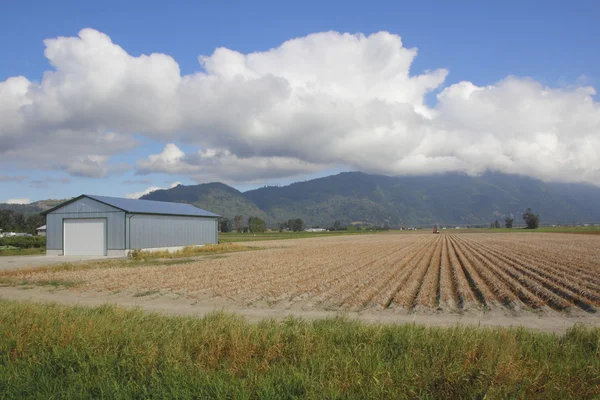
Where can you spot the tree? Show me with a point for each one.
(256, 225)
(11, 220)
(239, 223)
(226, 225)
(7, 220)
(496, 224)
(33, 222)
(531, 220)
(295, 225)
(508, 222)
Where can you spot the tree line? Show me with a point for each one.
(532, 221)
(256, 225)
(14, 221)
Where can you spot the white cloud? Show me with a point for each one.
(213, 165)
(18, 201)
(137, 195)
(313, 102)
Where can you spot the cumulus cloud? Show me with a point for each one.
(204, 165)
(326, 99)
(137, 195)
(18, 201)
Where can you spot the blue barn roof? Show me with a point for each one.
(136, 206)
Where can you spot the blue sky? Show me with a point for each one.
(550, 43)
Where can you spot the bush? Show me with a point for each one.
(24, 242)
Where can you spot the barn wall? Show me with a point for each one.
(86, 208)
(151, 231)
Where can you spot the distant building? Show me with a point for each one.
(41, 231)
(315, 230)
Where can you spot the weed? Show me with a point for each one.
(52, 351)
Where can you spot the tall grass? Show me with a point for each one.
(191, 251)
(51, 351)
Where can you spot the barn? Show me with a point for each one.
(109, 226)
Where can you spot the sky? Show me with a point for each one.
(119, 98)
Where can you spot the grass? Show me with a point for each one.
(232, 237)
(52, 351)
(16, 251)
(191, 251)
(560, 229)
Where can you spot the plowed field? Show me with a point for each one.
(407, 272)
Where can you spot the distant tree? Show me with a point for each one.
(256, 225)
(33, 222)
(226, 225)
(337, 225)
(238, 221)
(7, 220)
(496, 224)
(295, 225)
(14, 221)
(508, 222)
(532, 221)
(492, 225)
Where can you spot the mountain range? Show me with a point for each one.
(359, 198)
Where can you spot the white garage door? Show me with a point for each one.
(85, 237)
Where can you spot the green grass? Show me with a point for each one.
(233, 237)
(51, 351)
(560, 229)
(571, 229)
(16, 251)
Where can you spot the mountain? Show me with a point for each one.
(355, 197)
(215, 197)
(31, 208)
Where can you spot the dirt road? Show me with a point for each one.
(177, 305)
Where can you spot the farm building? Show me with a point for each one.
(110, 226)
(41, 231)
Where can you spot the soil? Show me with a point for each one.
(173, 304)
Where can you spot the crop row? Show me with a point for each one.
(411, 272)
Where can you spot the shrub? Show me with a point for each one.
(24, 242)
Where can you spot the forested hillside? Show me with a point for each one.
(359, 198)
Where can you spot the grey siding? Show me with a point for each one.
(86, 208)
(151, 231)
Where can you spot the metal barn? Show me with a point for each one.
(111, 226)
